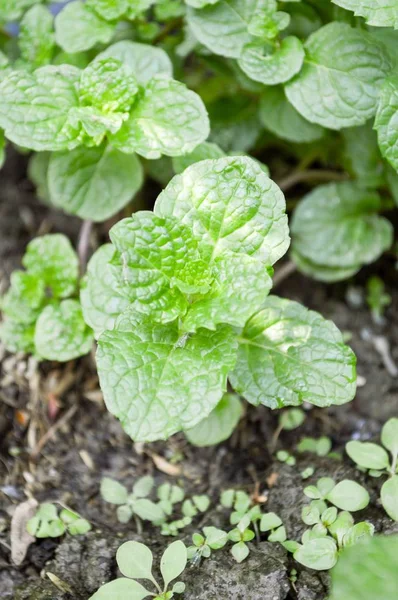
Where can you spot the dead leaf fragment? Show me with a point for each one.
(163, 465)
(20, 538)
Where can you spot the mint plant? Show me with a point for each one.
(41, 310)
(188, 284)
(48, 523)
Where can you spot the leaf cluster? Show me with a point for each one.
(48, 523)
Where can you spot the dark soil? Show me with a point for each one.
(90, 444)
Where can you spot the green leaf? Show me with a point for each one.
(320, 272)
(204, 151)
(113, 492)
(36, 38)
(240, 551)
(215, 538)
(143, 486)
(135, 560)
(110, 10)
(103, 295)
(381, 13)
(93, 183)
(186, 379)
(389, 497)
(24, 298)
(319, 554)
(219, 425)
(292, 418)
(336, 226)
(367, 455)
(386, 122)
(389, 435)
(305, 360)
(358, 533)
(79, 527)
(272, 64)
(339, 83)
(362, 156)
(106, 84)
(270, 521)
(160, 261)
(16, 336)
(61, 333)
(11, 10)
(167, 119)
(341, 526)
(52, 259)
(79, 28)
(348, 495)
(124, 513)
(200, 3)
(49, 93)
(368, 571)
(37, 171)
(278, 535)
(241, 284)
(173, 562)
(310, 514)
(140, 60)
(145, 509)
(120, 589)
(224, 199)
(281, 118)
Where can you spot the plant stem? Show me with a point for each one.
(309, 176)
(83, 244)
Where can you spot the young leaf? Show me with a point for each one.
(348, 495)
(120, 589)
(141, 60)
(380, 13)
(240, 551)
(204, 151)
(143, 486)
(79, 28)
(61, 333)
(186, 380)
(135, 560)
(113, 492)
(145, 509)
(36, 39)
(167, 119)
(389, 435)
(215, 538)
(271, 64)
(270, 521)
(292, 418)
(107, 85)
(220, 423)
(222, 200)
(358, 533)
(93, 183)
(339, 83)
(24, 298)
(306, 360)
(389, 497)
(367, 455)
(362, 156)
(341, 526)
(282, 119)
(173, 562)
(385, 123)
(17, 337)
(319, 554)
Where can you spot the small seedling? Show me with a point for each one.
(168, 496)
(375, 459)
(192, 507)
(270, 522)
(377, 298)
(307, 472)
(285, 457)
(135, 503)
(346, 495)
(173, 527)
(47, 523)
(289, 419)
(135, 562)
(213, 539)
(320, 446)
(240, 535)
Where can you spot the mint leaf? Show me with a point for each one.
(177, 381)
(11, 10)
(322, 272)
(79, 28)
(271, 63)
(61, 333)
(140, 60)
(381, 13)
(36, 38)
(167, 119)
(106, 85)
(220, 423)
(204, 151)
(24, 298)
(17, 336)
(241, 284)
(362, 156)
(93, 183)
(52, 258)
(386, 121)
(37, 171)
(49, 93)
(230, 205)
(281, 118)
(337, 226)
(201, 3)
(303, 361)
(223, 27)
(109, 10)
(339, 83)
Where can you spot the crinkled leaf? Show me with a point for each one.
(348, 495)
(93, 183)
(34, 108)
(61, 333)
(288, 355)
(120, 589)
(319, 554)
(281, 118)
(106, 84)
(113, 492)
(320, 272)
(200, 3)
(386, 121)
(24, 298)
(52, 258)
(367, 571)
(103, 296)
(36, 38)
(339, 83)
(173, 562)
(167, 119)
(231, 205)
(109, 10)
(362, 155)
(158, 383)
(241, 284)
(367, 455)
(17, 336)
(79, 28)
(204, 151)
(381, 13)
(389, 435)
(219, 425)
(270, 64)
(389, 497)
(140, 60)
(337, 226)
(11, 10)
